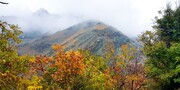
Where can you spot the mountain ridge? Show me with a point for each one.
(88, 35)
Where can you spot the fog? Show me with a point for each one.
(42, 21)
(129, 16)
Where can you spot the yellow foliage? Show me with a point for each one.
(34, 88)
(32, 60)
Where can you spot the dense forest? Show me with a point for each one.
(81, 70)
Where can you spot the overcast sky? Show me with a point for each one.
(129, 16)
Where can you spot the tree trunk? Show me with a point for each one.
(168, 43)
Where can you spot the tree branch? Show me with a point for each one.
(3, 2)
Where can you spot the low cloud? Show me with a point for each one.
(129, 16)
(43, 21)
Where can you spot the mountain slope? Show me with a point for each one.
(89, 35)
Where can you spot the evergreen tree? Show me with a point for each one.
(162, 49)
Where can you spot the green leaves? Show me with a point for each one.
(162, 49)
(168, 25)
(162, 63)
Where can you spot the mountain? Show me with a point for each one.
(41, 12)
(88, 35)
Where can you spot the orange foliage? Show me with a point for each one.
(64, 66)
(136, 77)
(68, 65)
(39, 65)
(128, 75)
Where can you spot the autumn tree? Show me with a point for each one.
(12, 66)
(97, 75)
(126, 73)
(59, 70)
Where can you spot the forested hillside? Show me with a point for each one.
(82, 69)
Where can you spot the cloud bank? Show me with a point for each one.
(129, 16)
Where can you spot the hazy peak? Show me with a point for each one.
(87, 23)
(41, 12)
(92, 22)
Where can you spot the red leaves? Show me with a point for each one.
(69, 64)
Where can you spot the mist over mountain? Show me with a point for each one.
(39, 33)
(88, 35)
(42, 21)
(41, 13)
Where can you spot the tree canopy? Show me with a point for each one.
(162, 50)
